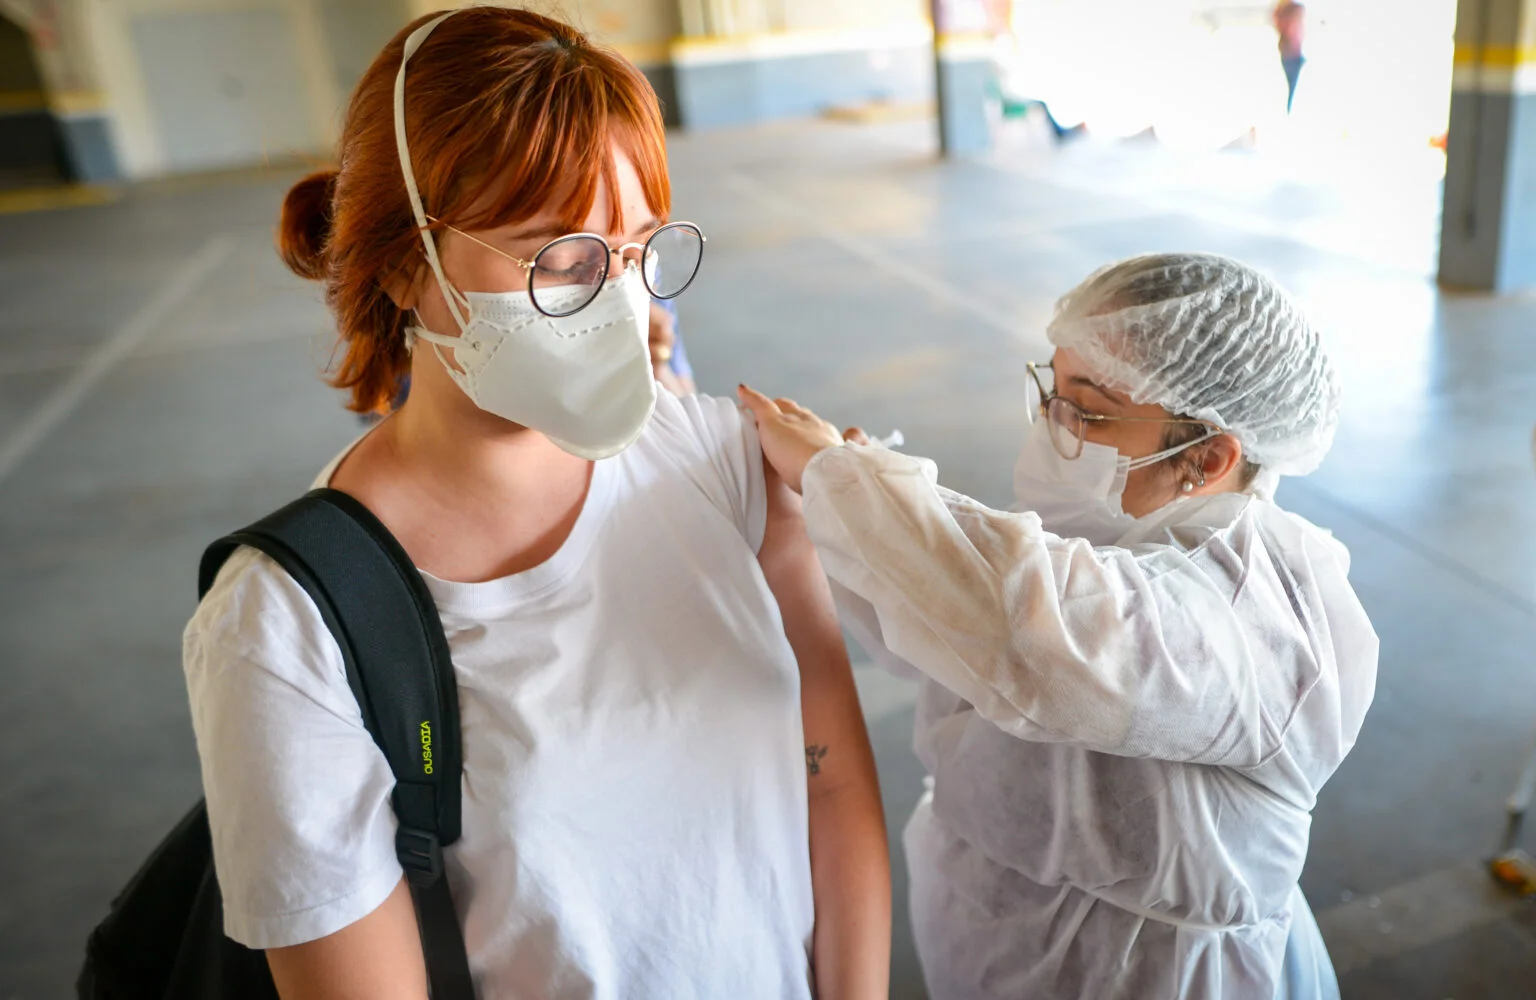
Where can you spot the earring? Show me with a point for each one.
(1189, 487)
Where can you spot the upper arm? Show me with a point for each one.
(375, 958)
(298, 794)
(767, 513)
(837, 744)
(718, 448)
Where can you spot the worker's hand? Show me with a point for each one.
(791, 434)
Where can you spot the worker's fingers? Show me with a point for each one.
(856, 435)
(789, 406)
(761, 406)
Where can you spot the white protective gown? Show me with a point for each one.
(1126, 742)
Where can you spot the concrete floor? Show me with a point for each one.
(158, 386)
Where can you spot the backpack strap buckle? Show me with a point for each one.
(420, 854)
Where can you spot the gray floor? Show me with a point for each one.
(158, 386)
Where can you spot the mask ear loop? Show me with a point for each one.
(1142, 463)
(451, 295)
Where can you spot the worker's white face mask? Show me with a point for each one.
(585, 381)
(1075, 498)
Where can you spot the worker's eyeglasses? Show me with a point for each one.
(568, 272)
(1068, 422)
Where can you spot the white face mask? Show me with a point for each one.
(1075, 498)
(585, 380)
(1080, 497)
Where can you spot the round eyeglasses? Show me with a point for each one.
(1068, 422)
(568, 272)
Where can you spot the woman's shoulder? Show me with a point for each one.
(710, 443)
(304, 850)
(256, 613)
(702, 420)
(703, 436)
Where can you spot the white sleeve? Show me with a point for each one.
(298, 793)
(1136, 653)
(861, 621)
(735, 458)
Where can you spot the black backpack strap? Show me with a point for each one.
(379, 610)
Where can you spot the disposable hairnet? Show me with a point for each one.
(1213, 339)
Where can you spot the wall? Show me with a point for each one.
(355, 31)
(164, 86)
(810, 15)
(200, 84)
(744, 61)
(734, 18)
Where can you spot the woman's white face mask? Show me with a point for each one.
(584, 380)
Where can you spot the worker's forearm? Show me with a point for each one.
(1050, 639)
(851, 874)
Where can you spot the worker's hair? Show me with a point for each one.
(499, 102)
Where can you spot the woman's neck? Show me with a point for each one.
(462, 454)
(470, 496)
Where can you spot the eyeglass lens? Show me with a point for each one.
(1064, 419)
(672, 257)
(568, 273)
(1066, 423)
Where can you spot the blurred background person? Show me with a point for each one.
(1290, 19)
(668, 355)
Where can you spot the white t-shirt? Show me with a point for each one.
(634, 810)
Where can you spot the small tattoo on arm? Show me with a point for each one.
(813, 757)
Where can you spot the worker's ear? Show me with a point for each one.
(1215, 460)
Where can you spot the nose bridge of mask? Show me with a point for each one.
(493, 317)
(456, 302)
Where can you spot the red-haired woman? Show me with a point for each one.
(668, 787)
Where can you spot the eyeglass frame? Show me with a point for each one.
(1087, 416)
(529, 265)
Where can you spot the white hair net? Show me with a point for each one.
(1213, 339)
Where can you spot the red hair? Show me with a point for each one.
(496, 99)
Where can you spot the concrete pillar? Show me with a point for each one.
(962, 63)
(69, 103)
(326, 102)
(1488, 237)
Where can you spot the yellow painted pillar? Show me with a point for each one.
(962, 64)
(1488, 233)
